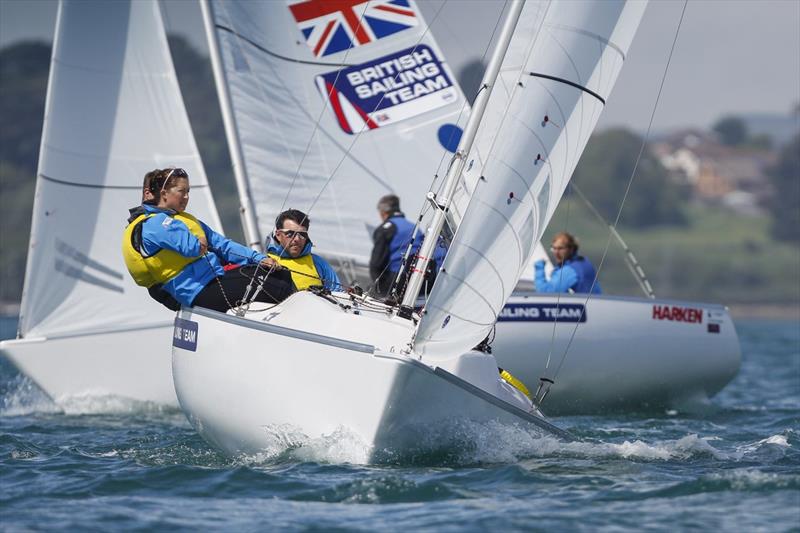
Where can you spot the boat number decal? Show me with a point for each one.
(387, 89)
(185, 334)
(677, 313)
(446, 321)
(543, 313)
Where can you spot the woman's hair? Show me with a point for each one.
(146, 188)
(572, 242)
(163, 179)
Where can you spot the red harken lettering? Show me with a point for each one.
(677, 314)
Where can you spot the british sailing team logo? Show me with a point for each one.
(331, 26)
(387, 89)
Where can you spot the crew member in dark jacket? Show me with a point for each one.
(390, 242)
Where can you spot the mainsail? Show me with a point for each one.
(560, 68)
(334, 104)
(114, 111)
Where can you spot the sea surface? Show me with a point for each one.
(109, 464)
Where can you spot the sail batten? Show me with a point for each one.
(562, 62)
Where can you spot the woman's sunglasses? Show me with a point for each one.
(177, 172)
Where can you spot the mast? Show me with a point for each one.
(247, 212)
(464, 147)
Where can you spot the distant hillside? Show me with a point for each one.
(24, 69)
(23, 83)
(782, 128)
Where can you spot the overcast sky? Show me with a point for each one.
(732, 56)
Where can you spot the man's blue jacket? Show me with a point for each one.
(575, 275)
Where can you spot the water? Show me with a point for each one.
(111, 464)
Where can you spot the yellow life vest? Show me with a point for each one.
(164, 264)
(304, 272)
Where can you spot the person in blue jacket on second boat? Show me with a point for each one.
(573, 273)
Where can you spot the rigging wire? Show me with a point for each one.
(558, 299)
(510, 94)
(427, 206)
(630, 183)
(317, 122)
(357, 135)
(630, 260)
(239, 38)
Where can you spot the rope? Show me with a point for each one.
(426, 206)
(319, 119)
(630, 183)
(630, 259)
(558, 297)
(243, 305)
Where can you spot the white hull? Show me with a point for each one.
(247, 385)
(627, 355)
(127, 364)
(620, 359)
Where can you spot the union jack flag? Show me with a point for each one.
(331, 26)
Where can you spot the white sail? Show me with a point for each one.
(335, 104)
(553, 84)
(114, 111)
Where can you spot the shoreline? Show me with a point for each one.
(765, 311)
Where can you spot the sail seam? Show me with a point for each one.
(91, 186)
(590, 34)
(279, 56)
(571, 83)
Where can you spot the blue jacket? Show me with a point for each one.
(330, 280)
(401, 236)
(163, 231)
(390, 242)
(400, 240)
(575, 275)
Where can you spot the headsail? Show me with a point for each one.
(114, 111)
(553, 84)
(335, 105)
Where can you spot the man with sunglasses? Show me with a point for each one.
(290, 247)
(573, 273)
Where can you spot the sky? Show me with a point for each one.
(731, 56)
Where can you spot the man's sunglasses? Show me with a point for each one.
(291, 234)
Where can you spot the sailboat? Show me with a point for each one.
(114, 111)
(389, 373)
(618, 353)
(296, 144)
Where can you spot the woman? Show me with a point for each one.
(167, 246)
